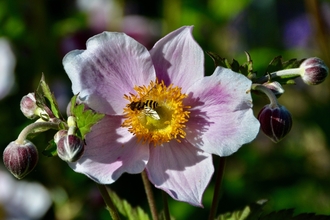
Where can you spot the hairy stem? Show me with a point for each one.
(166, 209)
(271, 96)
(31, 127)
(289, 73)
(110, 205)
(150, 195)
(216, 193)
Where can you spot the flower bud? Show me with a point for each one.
(275, 87)
(313, 71)
(70, 148)
(59, 135)
(29, 106)
(20, 160)
(275, 122)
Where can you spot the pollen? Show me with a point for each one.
(156, 114)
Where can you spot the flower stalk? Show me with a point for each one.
(166, 209)
(286, 73)
(217, 189)
(150, 195)
(108, 201)
(32, 127)
(271, 96)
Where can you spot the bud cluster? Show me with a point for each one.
(275, 120)
(21, 156)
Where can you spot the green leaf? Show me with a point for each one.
(236, 215)
(235, 66)
(126, 209)
(279, 64)
(288, 214)
(245, 69)
(218, 61)
(250, 212)
(85, 118)
(254, 211)
(49, 96)
(275, 64)
(293, 63)
(50, 150)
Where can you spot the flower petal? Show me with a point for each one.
(110, 67)
(221, 118)
(178, 59)
(181, 170)
(110, 151)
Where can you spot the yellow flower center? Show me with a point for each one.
(156, 113)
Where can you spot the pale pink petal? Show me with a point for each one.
(110, 67)
(221, 118)
(181, 170)
(178, 59)
(110, 151)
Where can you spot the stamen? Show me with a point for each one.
(156, 114)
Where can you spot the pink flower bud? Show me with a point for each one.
(29, 106)
(314, 71)
(275, 122)
(59, 135)
(70, 148)
(275, 87)
(20, 160)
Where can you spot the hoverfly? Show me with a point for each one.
(148, 107)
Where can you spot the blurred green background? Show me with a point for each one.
(294, 173)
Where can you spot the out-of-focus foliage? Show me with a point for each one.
(294, 173)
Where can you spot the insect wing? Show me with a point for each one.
(150, 112)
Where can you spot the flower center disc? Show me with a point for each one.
(156, 113)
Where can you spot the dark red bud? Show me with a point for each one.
(20, 160)
(314, 71)
(70, 148)
(275, 122)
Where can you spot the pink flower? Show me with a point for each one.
(162, 114)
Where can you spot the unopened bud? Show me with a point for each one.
(59, 135)
(20, 159)
(31, 110)
(313, 71)
(70, 148)
(29, 106)
(275, 87)
(275, 122)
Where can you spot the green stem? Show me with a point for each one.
(287, 73)
(216, 193)
(150, 195)
(271, 96)
(166, 209)
(110, 205)
(31, 127)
